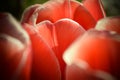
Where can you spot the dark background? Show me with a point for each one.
(16, 7)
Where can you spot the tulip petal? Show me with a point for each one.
(15, 49)
(103, 55)
(13, 59)
(10, 26)
(27, 14)
(109, 23)
(57, 9)
(67, 31)
(44, 60)
(76, 71)
(70, 7)
(95, 7)
(59, 35)
(45, 29)
(8, 55)
(84, 18)
(52, 10)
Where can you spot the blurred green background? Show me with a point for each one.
(16, 7)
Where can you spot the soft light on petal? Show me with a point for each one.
(59, 35)
(28, 14)
(100, 49)
(11, 51)
(15, 50)
(66, 32)
(10, 26)
(109, 23)
(45, 65)
(45, 29)
(76, 72)
(52, 10)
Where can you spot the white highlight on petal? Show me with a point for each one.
(82, 64)
(104, 75)
(21, 64)
(10, 45)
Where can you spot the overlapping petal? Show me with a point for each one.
(57, 29)
(59, 36)
(47, 11)
(27, 15)
(65, 9)
(109, 23)
(55, 25)
(95, 7)
(99, 49)
(44, 61)
(84, 18)
(82, 71)
(15, 50)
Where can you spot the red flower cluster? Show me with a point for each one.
(60, 40)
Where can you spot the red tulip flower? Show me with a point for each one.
(52, 27)
(55, 29)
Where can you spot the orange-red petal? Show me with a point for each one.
(27, 16)
(57, 9)
(59, 35)
(66, 31)
(100, 49)
(81, 71)
(76, 72)
(95, 7)
(45, 65)
(54, 10)
(84, 18)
